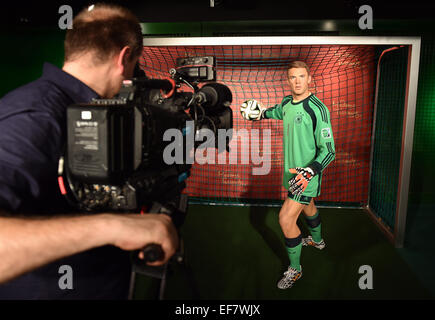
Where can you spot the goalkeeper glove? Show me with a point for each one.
(252, 110)
(299, 183)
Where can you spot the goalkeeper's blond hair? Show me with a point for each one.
(298, 64)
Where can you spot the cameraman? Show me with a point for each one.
(36, 224)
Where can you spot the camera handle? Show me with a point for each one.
(154, 252)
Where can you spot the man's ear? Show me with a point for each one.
(122, 58)
(309, 79)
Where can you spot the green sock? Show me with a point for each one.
(316, 232)
(294, 254)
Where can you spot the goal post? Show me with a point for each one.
(397, 129)
(361, 100)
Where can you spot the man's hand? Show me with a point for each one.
(28, 243)
(134, 232)
(252, 110)
(299, 183)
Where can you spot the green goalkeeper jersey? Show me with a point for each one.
(308, 139)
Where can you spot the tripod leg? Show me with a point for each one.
(132, 285)
(163, 283)
(191, 281)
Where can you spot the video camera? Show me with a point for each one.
(114, 155)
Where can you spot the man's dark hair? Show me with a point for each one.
(103, 30)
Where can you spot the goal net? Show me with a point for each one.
(343, 77)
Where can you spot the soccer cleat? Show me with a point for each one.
(290, 277)
(310, 242)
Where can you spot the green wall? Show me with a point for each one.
(23, 53)
(422, 188)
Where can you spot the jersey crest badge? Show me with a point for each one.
(298, 118)
(326, 133)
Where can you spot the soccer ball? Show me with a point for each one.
(250, 109)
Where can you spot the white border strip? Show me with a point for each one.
(347, 40)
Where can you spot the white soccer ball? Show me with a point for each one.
(251, 110)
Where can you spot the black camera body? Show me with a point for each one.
(114, 154)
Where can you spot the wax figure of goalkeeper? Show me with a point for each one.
(308, 149)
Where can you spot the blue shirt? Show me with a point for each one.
(32, 138)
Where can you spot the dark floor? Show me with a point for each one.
(419, 247)
(238, 253)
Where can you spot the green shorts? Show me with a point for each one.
(301, 198)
